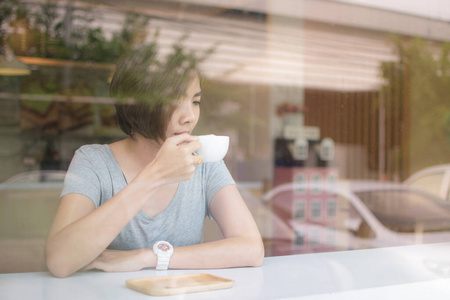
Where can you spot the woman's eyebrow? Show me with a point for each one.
(198, 94)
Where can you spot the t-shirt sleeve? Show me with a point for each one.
(81, 178)
(217, 177)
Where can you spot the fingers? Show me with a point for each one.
(175, 160)
(188, 142)
(182, 139)
(192, 146)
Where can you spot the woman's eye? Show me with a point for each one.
(196, 102)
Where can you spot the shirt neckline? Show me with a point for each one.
(141, 213)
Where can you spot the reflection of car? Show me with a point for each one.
(435, 180)
(357, 215)
(28, 202)
(39, 176)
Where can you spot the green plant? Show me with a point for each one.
(417, 95)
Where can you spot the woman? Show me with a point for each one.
(120, 200)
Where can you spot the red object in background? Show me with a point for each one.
(305, 208)
(290, 108)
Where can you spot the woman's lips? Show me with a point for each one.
(178, 133)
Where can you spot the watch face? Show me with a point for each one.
(163, 247)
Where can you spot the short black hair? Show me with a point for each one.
(152, 86)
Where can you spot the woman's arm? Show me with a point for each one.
(241, 246)
(80, 233)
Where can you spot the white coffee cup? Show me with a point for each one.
(214, 147)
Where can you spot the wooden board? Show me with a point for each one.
(179, 284)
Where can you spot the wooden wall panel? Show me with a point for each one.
(353, 118)
(349, 118)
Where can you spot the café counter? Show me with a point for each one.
(407, 272)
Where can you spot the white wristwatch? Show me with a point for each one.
(163, 250)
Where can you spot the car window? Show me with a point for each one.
(430, 183)
(348, 219)
(407, 211)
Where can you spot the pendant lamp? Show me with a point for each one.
(9, 64)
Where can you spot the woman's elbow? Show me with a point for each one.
(59, 273)
(57, 268)
(56, 265)
(257, 257)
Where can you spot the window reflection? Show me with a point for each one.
(431, 183)
(407, 211)
(313, 103)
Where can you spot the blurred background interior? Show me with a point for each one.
(338, 112)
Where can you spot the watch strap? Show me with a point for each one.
(163, 261)
(163, 251)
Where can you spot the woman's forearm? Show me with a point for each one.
(77, 244)
(227, 253)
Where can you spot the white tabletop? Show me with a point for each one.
(409, 272)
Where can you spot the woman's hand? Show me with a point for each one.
(122, 261)
(174, 162)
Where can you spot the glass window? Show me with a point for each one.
(299, 241)
(317, 183)
(408, 211)
(331, 209)
(300, 210)
(316, 210)
(322, 110)
(301, 183)
(431, 183)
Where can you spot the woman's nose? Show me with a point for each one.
(186, 113)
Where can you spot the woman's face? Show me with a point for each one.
(187, 111)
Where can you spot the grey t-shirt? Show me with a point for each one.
(95, 173)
